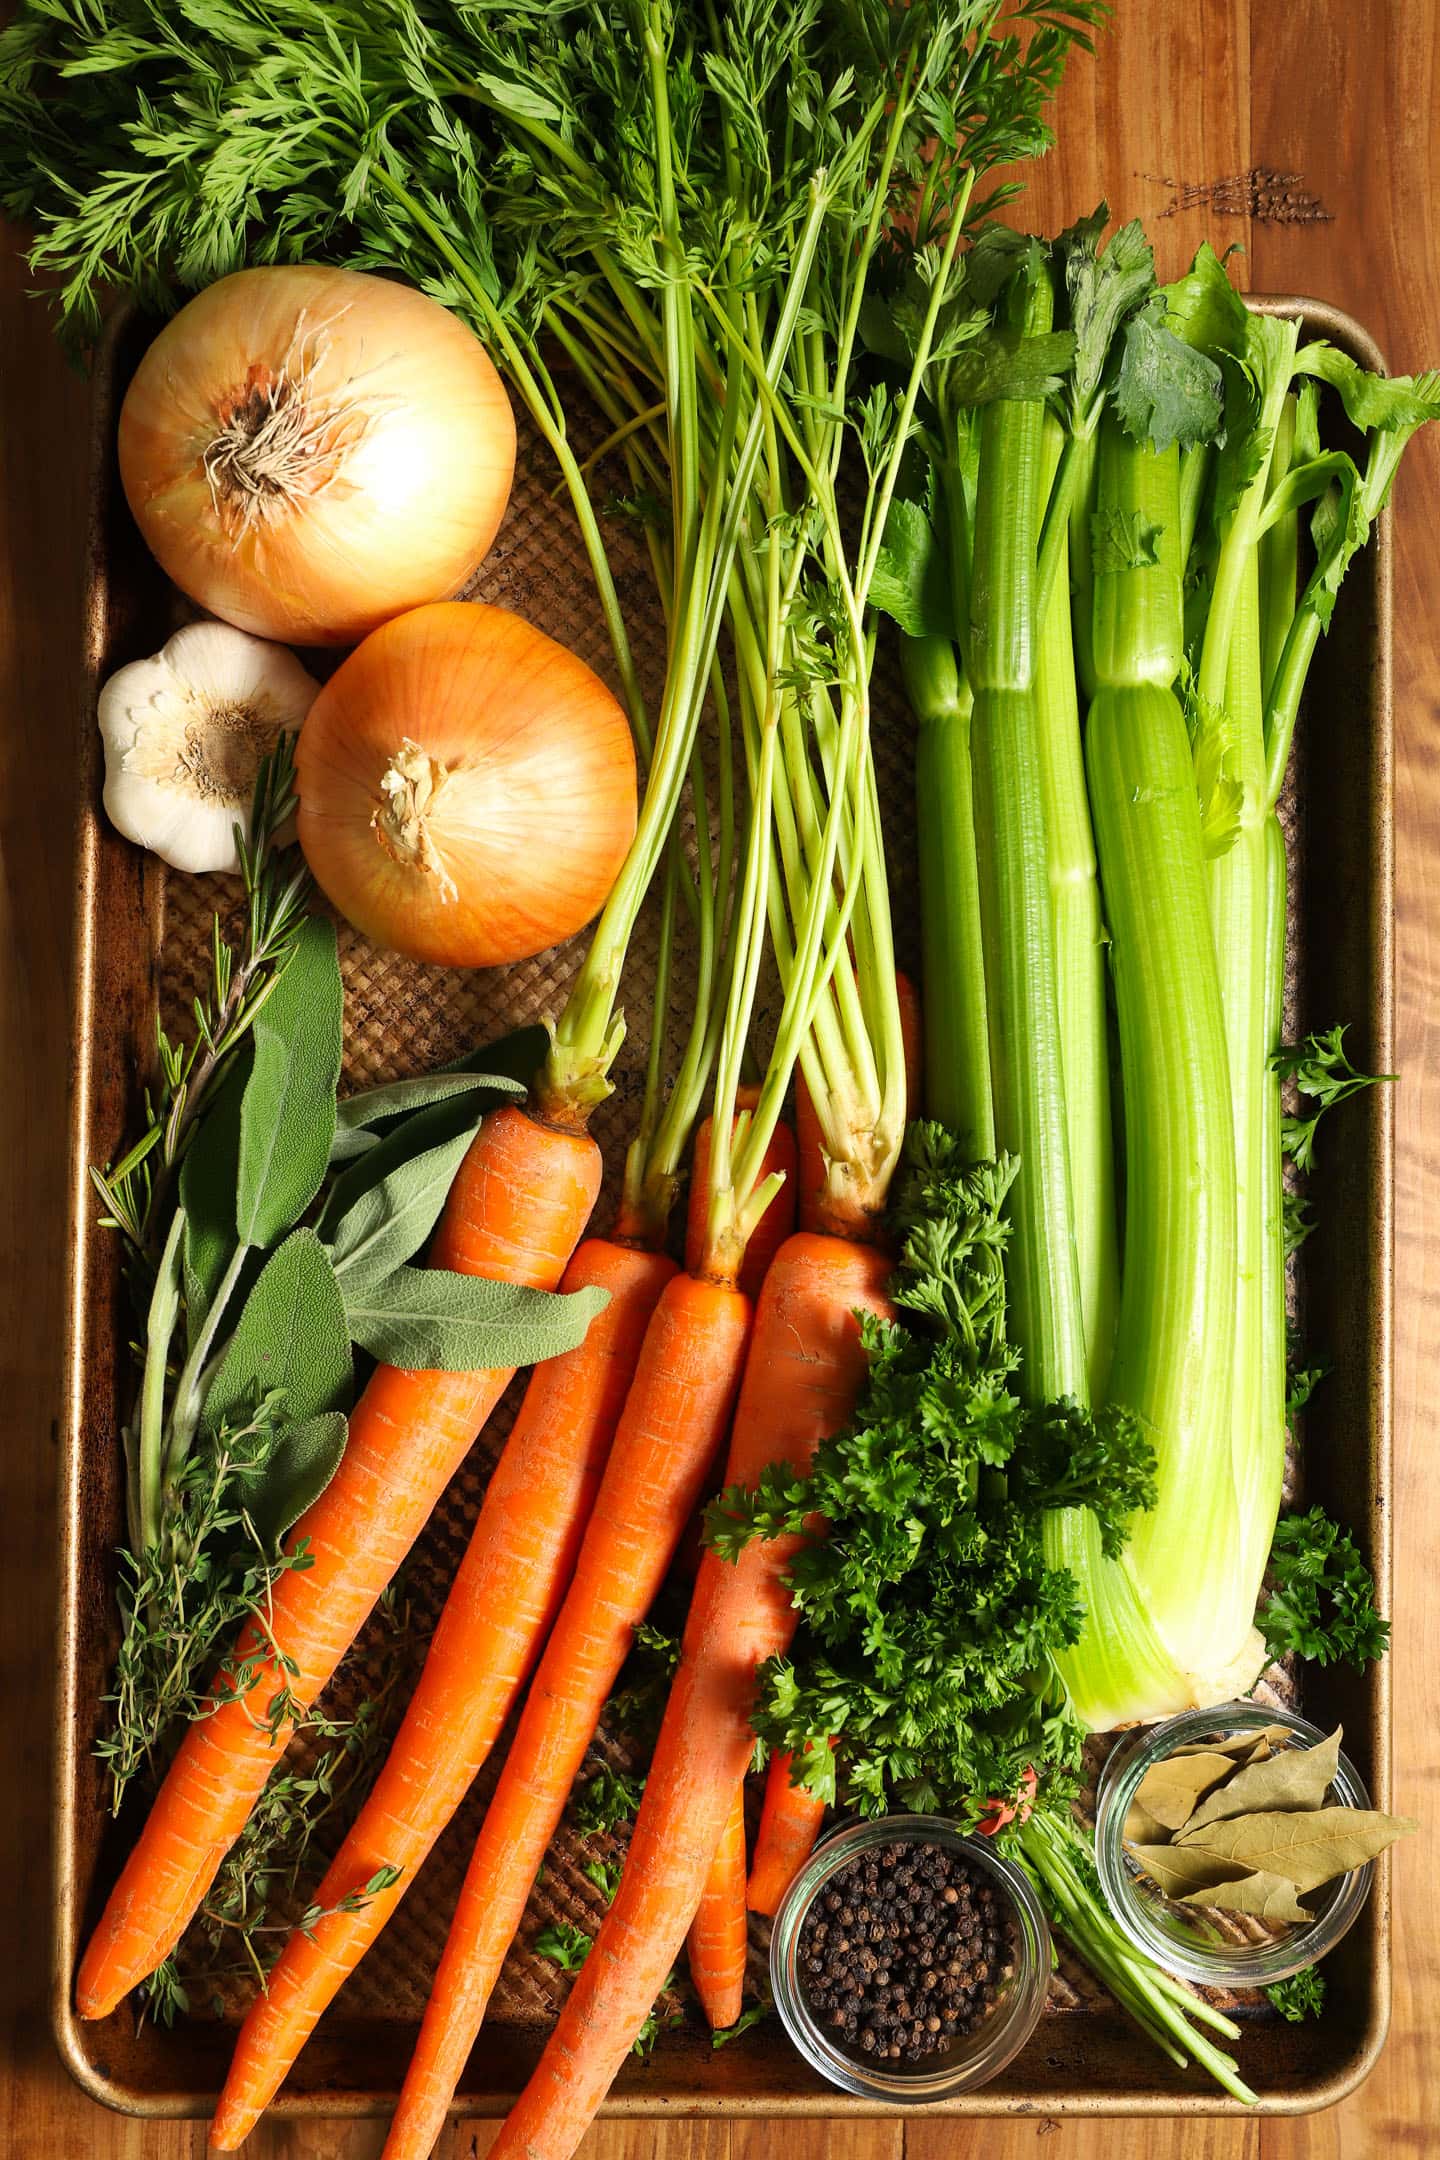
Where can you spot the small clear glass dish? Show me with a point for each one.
(970, 2059)
(1214, 1949)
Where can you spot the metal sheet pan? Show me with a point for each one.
(1085, 2058)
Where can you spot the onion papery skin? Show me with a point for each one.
(385, 485)
(526, 796)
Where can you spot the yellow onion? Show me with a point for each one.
(467, 787)
(308, 452)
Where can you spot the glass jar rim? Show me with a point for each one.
(1136, 1913)
(972, 2059)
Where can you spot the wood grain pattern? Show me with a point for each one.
(1184, 97)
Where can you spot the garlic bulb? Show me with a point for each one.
(184, 733)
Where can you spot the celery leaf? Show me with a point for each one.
(1371, 401)
(1166, 390)
(912, 579)
(1104, 286)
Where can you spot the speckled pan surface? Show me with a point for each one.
(141, 938)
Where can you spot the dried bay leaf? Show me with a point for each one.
(1263, 1896)
(1180, 1869)
(1242, 1747)
(1292, 1779)
(1171, 1790)
(1308, 1848)
(1142, 1828)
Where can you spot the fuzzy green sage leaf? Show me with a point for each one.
(208, 1176)
(287, 1120)
(388, 1222)
(431, 1320)
(304, 1459)
(292, 1337)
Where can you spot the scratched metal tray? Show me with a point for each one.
(140, 943)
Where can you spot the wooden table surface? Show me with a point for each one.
(1309, 135)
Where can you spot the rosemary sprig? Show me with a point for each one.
(136, 1189)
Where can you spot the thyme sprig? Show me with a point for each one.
(183, 1599)
(242, 1925)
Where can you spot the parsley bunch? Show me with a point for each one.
(930, 1617)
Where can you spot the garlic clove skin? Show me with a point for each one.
(184, 733)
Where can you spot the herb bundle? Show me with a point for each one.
(285, 1224)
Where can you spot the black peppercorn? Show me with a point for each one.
(948, 1944)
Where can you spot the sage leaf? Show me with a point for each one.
(1308, 1848)
(305, 1458)
(414, 1136)
(292, 1336)
(391, 1220)
(1171, 1790)
(399, 1097)
(207, 1194)
(1179, 1869)
(1296, 1777)
(1264, 1897)
(430, 1320)
(287, 1120)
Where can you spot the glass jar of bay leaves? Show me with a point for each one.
(1210, 1948)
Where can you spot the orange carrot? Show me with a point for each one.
(515, 1213)
(674, 1422)
(507, 1592)
(792, 1815)
(804, 1371)
(789, 1826)
(718, 1941)
(912, 1036)
(774, 1226)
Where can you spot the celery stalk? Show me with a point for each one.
(1015, 904)
(1238, 882)
(957, 1056)
(1079, 973)
(1175, 1340)
(1242, 902)
(1081, 581)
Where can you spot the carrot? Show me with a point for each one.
(774, 1226)
(804, 1371)
(515, 1212)
(718, 1941)
(674, 1422)
(792, 1814)
(504, 1598)
(789, 1826)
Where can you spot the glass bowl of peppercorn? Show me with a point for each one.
(908, 1962)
